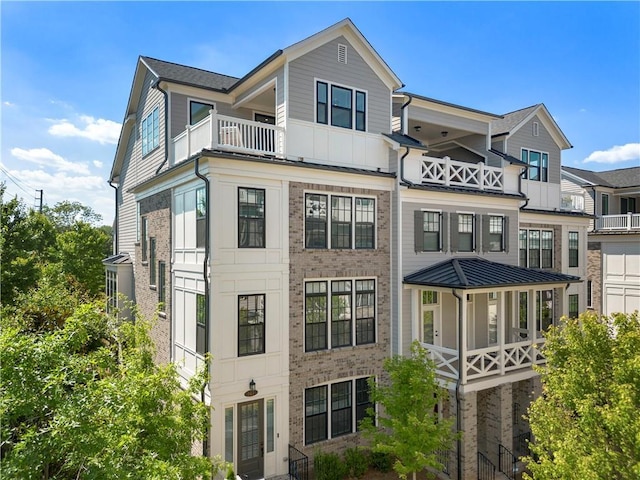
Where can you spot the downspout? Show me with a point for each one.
(115, 229)
(405, 105)
(526, 201)
(458, 383)
(166, 124)
(402, 179)
(205, 277)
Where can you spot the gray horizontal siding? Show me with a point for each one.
(447, 120)
(523, 138)
(412, 261)
(322, 63)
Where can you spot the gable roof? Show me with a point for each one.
(476, 272)
(618, 178)
(513, 121)
(182, 74)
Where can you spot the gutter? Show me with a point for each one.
(115, 229)
(207, 300)
(458, 383)
(156, 85)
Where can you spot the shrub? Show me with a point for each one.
(383, 462)
(328, 466)
(356, 462)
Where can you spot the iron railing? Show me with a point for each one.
(486, 468)
(298, 464)
(443, 458)
(507, 462)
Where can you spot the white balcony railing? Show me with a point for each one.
(228, 133)
(627, 221)
(445, 171)
(487, 362)
(572, 201)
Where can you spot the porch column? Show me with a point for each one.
(462, 343)
(469, 444)
(531, 311)
(416, 320)
(499, 420)
(501, 330)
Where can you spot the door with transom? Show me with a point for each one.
(250, 440)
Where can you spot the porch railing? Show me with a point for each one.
(484, 362)
(446, 360)
(298, 464)
(227, 133)
(443, 458)
(507, 462)
(486, 468)
(445, 171)
(627, 221)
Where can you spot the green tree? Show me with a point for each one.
(408, 425)
(25, 239)
(66, 213)
(586, 425)
(81, 398)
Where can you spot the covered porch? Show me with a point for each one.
(482, 320)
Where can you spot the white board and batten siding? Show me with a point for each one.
(137, 168)
(621, 276)
(334, 145)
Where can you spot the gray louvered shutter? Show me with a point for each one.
(454, 231)
(476, 232)
(486, 220)
(444, 231)
(505, 233)
(418, 230)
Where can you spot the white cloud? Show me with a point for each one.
(97, 163)
(8, 104)
(616, 154)
(583, 110)
(99, 130)
(46, 158)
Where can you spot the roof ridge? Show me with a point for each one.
(189, 66)
(524, 108)
(459, 272)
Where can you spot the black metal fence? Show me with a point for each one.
(298, 464)
(507, 462)
(486, 468)
(443, 458)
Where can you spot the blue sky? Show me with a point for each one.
(67, 68)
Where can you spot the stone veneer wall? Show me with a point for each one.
(308, 369)
(594, 273)
(157, 210)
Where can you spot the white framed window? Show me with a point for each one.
(536, 248)
(536, 129)
(430, 316)
(538, 162)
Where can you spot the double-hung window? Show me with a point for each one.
(573, 306)
(201, 324)
(251, 218)
(573, 249)
(336, 409)
(201, 217)
(321, 334)
(150, 133)
(251, 324)
(536, 248)
(466, 234)
(144, 238)
(604, 204)
(429, 231)
(494, 233)
(152, 261)
(335, 106)
(344, 230)
(538, 165)
(162, 284)
(544, 309)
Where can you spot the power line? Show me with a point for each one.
(15, 180)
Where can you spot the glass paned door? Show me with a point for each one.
(250, 440)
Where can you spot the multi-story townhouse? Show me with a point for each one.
(612, 197)
(307, 220)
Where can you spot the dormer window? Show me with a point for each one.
(335, 106)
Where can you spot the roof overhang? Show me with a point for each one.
(475, 273)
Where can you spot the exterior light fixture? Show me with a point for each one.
(252, 389)
(417, 128)
(444, 133)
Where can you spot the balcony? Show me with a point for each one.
(620, 223)
(452, 173)
(486, 362)
(221, 132)
(573, 202)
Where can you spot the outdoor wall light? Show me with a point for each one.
(252, 389)
(417, 128)
(444, 133)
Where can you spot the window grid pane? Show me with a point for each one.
(363, 400)
(573, 249)
(431, 232)
(315, 221)
(341, 422)
(341, 107)
(365, 222)
(321, 108)
(465, 232)
(522, 242)
(201, 324)
(360, 111)
(573, 306)
(365, 312)
(534, 248)
(251, 312)
(251, 221)
(496, 240)
(340, 222)
(340, 313)
(315, 316)
(315, 413)
(547, 249)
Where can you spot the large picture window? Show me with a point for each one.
(339, 332)
(335, 410)
(538, 165)
(251, 323)
(345, 230)
(335, 106)
(198, 111)
(536, 248)
(251, 218)
(150, 131)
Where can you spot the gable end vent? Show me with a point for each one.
(342, 53)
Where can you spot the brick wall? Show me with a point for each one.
(314, 368)
(594, 273)
(157, 210)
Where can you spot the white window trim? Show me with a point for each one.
(353, 105)
(353, 220)
(199, 100)
(144, 118)
(541, 152)
(474, 233)
(436, 308)
(536, 129)
(328, 281)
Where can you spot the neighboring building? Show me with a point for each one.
(311, 220)
(612, 198)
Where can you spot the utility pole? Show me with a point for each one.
(40, 203)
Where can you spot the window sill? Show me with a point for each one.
(145, 263)
(150, 151)
(162, 314)
(152, 287)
